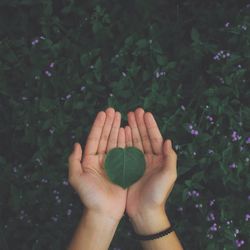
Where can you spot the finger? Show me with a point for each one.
(74, 161)
(135, 131)
(154, 133)
(121, 138)
(112, 141)
(139, 116)
(170, 159)
(128, 136)
(110, 114)
(95, 134)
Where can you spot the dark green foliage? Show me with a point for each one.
(186, 61)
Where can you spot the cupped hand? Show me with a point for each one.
(151, 191)
(86, 172)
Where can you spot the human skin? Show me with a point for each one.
(147, 197)
(105, 202)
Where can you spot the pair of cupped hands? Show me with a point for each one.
(89, 179)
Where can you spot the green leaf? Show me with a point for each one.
(84, 59)
(195, 35)
(98, 69)
(142, 43)
(161, 60)
(124, 166)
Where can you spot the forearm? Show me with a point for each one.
(153, 222)
(94, 232)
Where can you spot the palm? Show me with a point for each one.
(96, 191)
(144, 192)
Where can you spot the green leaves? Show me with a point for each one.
(124, 166)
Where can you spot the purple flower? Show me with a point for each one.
(239, 243)
(235, 136)
(52, 130)
(69, 211)
(247, 217)
(55, 218)
(68, 96)
(180, 209)
(227, 24)
(211, 203)
(248, 140)
(237, 231)
(34, 42)
(48, 73)
(195, 193)
(65, 183)
(51, 65)
(210, 151)
(244, 27)
(210, 118)
(210, 236)
(221, 54)
(194, 132)
(44, 180)
(198, 205)
(211, 217)
(232, 165)
(213, 228)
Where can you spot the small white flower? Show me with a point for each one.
(68, 96)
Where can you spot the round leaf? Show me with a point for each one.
(124, 166)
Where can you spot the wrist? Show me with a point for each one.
(97, 218)
(150, 221)
(94, 226)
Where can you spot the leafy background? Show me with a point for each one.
(185, 61)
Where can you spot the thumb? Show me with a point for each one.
(170, 158)
(74, 161)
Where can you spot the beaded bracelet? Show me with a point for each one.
(153, 236)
